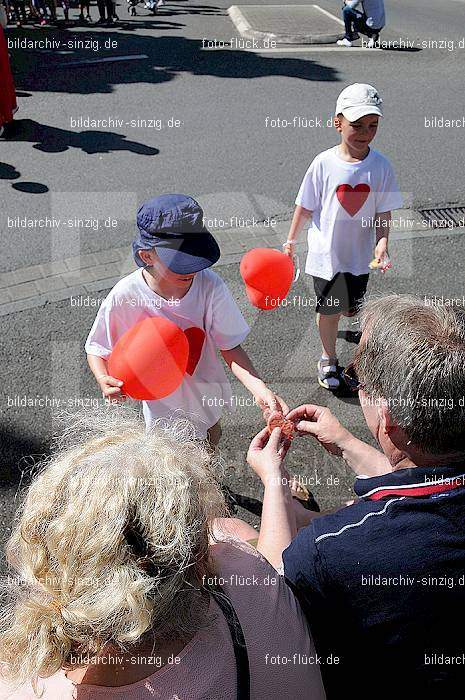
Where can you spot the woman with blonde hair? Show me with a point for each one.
(130, 583)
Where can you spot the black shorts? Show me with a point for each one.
(344, 292)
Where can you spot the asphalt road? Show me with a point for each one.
(222, 151)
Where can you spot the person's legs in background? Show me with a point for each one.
(101, 11)
(52, 6)
(19, 8)
(360, 25)
(65, 6)
(328, 368)
(349, 16)
(84, 7)
(111, 11)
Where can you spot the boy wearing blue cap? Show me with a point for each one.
(174, 252)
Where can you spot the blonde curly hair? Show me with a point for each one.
(110, 542)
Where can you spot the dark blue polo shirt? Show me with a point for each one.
(382, 583)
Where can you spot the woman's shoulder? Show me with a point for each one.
(250, 579)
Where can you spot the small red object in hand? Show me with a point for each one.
(277, 420)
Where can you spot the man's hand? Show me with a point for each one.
(320, 422)
(266, 454)
(111, 388)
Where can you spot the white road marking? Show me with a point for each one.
(110, 59)
(238, 19)
(329, 14)
(311, 48)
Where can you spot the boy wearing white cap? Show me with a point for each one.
(349, 192)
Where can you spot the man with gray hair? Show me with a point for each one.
(382, 581)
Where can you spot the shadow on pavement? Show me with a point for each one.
(30, 187)
(19, 454)
(166, 58)
(50, 139)
(8, 172)
(401, 49)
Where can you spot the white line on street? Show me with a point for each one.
(329, 14)
(238, 19)
(314, 48)
(110, 59)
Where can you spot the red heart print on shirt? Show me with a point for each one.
(196, 338)
(351, 198)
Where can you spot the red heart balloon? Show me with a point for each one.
(268, 275)
(351, 198)
(195, 337)
(150, 359)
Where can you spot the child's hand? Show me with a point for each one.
(289, 248)
(382, 255)
(111, 388)
(268, 402)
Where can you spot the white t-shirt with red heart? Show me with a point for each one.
(345, 198)
(207, 307)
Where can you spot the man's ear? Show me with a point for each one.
(337, 123)
(385, 420)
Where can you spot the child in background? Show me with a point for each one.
(349, 192)
(174, 251)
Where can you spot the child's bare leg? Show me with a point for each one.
(328, 325)
(303, 516)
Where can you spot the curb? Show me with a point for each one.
(38, 285)
(245, 29)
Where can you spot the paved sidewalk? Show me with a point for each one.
(287, 24)
(38, 285)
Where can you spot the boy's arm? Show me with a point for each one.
(242, 368)
(382, 229)
(301, 215)
(111, 387)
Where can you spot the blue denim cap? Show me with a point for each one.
(172, 224)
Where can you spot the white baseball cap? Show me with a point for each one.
(358, 100)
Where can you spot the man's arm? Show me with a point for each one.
(320, 422)
(362, 458)
(278, 523)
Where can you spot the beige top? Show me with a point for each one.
(281, 654)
